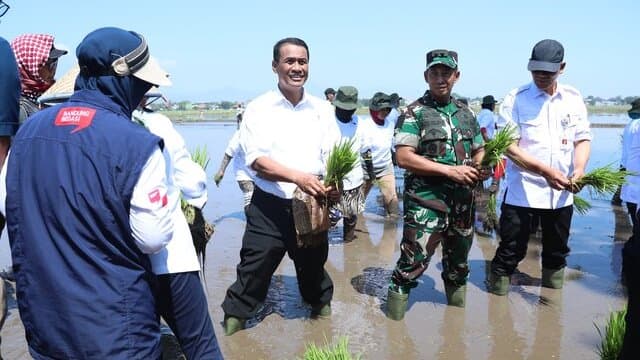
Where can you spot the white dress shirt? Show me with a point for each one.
(548, 126)
(235, 152)
(185, 179)
(298, 137)
(631, 161)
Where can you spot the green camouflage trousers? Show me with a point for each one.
(439, 217)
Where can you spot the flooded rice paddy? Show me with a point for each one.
(530, 323)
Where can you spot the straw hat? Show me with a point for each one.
(62, 89)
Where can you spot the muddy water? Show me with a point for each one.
(530, 323)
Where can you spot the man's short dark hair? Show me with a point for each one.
(289, 40)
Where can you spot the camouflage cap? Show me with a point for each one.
(442, 56)
(346, 98)
(380, 101)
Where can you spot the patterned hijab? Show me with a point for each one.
(32, 52)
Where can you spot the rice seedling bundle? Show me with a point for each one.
(600, 182)
(342, 159)
(495, 148)
(339, 351)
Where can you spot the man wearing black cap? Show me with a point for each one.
(552, 153)
(439, 145)
(630, 193)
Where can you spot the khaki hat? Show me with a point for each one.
(346, 98)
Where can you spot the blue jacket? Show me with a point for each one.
(9, 90)
(84, 289)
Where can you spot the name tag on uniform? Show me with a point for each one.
(80, 117)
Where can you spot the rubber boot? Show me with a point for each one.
(455, 294)
(553, 279)
(232, 325)
(498, 284)
(396, 305)
(323, 311)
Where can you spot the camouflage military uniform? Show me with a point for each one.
(437, 209)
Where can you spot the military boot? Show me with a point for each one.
(553, 279)
(498, 284)
(396, 305)
(232, 325)
(455, 294)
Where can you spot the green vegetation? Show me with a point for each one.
(342, 159)
(580, 205)
(603, 180)
(611, 340)
(339, 351)
(200, 157)
(495, 148)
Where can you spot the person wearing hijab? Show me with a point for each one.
(37, 59)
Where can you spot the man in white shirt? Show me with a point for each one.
(182, 302)
(352, 198)
(243, 174)
(630, 193)
(551, 153)
(286, 136)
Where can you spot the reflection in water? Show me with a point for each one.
(505, 341)
(548, 334)
(452, 332)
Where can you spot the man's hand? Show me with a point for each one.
(333, 194)
(217, 178)
(577, 175)
(464, 174)
(310, 184)
(557, 180)
(485, 172)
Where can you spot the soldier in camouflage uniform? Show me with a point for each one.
(439, 145)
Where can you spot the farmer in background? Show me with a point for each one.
(329, 94)
(631, 251)
(551, 153)
(81, 233)
(286, 137)
(439, 145)
(377, 163)
(242, 173)
(37, 62)
(352, 200)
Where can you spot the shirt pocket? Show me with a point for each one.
(433, 142)
(531, 129)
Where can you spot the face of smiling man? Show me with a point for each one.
(292, 68)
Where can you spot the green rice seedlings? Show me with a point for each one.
(339, 351)
(200, 157)
(490, 222)
(611, 340)
(495, 148)
(580, 205)
(603, 180)
(342, 159)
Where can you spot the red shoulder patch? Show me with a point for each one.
(80, 117)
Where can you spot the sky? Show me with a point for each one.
(222, 50)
